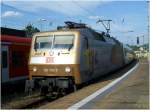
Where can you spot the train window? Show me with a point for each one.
(43, 42)
(4, 59)
(17, 59)
(63, 41)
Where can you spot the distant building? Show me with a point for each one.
(141, 53)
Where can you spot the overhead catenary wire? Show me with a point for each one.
(85, 9)
(88, 12)
(83, 15)
(107, 22)
(70, 18)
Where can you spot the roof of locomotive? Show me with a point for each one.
(85, 30)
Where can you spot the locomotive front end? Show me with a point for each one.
(54, 59)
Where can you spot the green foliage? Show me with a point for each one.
(30, 30)
(146, 46)
(136, 48)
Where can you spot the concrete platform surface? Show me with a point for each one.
(133, 93)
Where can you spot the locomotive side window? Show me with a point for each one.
(4, 59)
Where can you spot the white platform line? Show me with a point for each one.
(102, 90)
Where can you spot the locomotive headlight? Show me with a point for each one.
(34, 69)
(67, 69)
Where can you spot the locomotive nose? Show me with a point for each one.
(51, 53)
(51, 70)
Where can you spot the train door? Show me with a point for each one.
(85, 61)
(4, 64)
(88, 55)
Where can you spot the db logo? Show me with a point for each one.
(49, 59)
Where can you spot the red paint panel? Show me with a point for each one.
(18, 56)
(18, 48)
(15, 39)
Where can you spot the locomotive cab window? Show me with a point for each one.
(43, 42)
(54, 42)
(63, 41)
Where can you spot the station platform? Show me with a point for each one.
(131, 93)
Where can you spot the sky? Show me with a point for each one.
(129, 18)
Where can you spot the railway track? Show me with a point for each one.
(32, 101)
(36, 100)
(23, 101)
(40, 100)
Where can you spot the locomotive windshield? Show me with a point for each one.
(54, 42)
(63, 41)
(43, 42)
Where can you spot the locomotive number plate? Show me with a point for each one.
(49, 59)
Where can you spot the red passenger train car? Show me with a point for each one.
(14, 58)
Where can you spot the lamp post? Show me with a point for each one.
(143, 39)
(40, 21)
(44, 20)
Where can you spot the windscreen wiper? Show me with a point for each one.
(70, 47)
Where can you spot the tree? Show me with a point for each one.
(136, 48)
(30, 30)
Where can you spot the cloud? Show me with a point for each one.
(94, 17)
(11, 14)
(71, 8)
